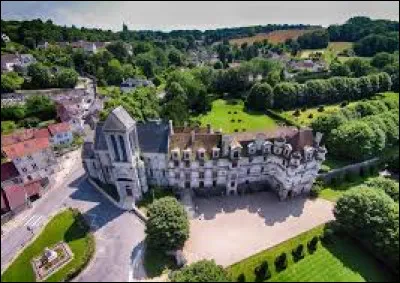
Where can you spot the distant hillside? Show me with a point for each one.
(276, 36)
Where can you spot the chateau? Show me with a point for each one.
(132, 155)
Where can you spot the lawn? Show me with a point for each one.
(341, 261)
(67, 226)
(106, 90)
(222, 116)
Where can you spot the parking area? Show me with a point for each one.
(232, 228)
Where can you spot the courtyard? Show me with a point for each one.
(229, 229)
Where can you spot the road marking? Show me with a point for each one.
(34, 221)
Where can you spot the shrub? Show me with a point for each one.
(344, 104)
(243, 130)
(281, 262)
(236, 130)
(241, 278)
(233, 121)
(321, 109)
(312, 245)
(311, 116)
(298, 253)
(315, 190)
(235, 112)
(327, 236)
(262, 272)
(296, 113)
(389, 186)
(201, 271)
(239, 120)
(304, 109)
(229, 112)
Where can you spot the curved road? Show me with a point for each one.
(119, 234)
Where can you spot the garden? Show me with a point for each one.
(314, 256)
(68, 226)
(230, 116)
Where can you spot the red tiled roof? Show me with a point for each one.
(58, 128)
(26, 147)
(23, 135)
(8, 171)
(15, 195)
(33, 188)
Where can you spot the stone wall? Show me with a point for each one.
(356, 168)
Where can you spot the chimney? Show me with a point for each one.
(171, 128)
(209, 129)
(192, 136)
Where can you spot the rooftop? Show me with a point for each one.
(58, 128)
(153, 136)
(23, 135)
(118, 120)
(26, 147)
(8, 171)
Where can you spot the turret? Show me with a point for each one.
(287, 150)
(278, 145)
(295, 159)
(267, 147)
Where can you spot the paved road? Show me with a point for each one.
(118, 233)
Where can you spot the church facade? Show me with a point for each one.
(131, 156)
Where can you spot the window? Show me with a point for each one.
(201, 163)
(34, 166)
(250, 159)
(262, 169)
(29, 177)
(201, 154)
(265, 158)
(236, 154)
(175, 155)
(201, 184)
(187, 155)
(232, 184)
(247, 182)
(30, 157)
(151, 172)
(234, 164)
(128, 191)
(122, 143)
(187, 176)
(163, 172)
(187, 185)
(177, 175)
(214, 183)
(187, 164)
(201, 175)
(215, 174)
(114, 144)
(176, 163)
(248, 171)
(24, 169)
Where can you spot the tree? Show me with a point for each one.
(175, 57)
(373, 217)
(40, 76)
(339, 69)
(10, 82)
(167, 227)
(260, 97)
(7, 127)
(389, 186)
(146, 63)
(381, 60)
(355, 140)
(201, 271)
(285, 95)
(359, 67)
(375, 43)
(41, 107)
(314, 40)
(114, 72)
(119, 50)
(67, 78)
(218, 65)
(262, 272)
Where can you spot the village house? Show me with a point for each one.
(9, 175)
(60, 134)
(131, 84)
(131, 155)
(10, 62)
(31, 153)
(72, 111)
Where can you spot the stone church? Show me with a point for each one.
(131, 156)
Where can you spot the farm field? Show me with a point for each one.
(342, 260)
(276, 36)
(226, 116)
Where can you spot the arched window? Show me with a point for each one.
(114, 144)
(122, 143)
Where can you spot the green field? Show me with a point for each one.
(329, 53)
(66, 226)
(223, 112)
(340, 261)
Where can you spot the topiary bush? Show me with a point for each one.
(233, 121)
(241, 278)
(312, 245)
(321, 109)
(262, 272)
(304, 109)
(344, 104)
(296, 113)
(281, 262)
(298, 253)
(310, 116)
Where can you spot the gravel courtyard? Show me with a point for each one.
(232, 228)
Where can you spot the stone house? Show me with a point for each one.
(131, 84)
(60, 134)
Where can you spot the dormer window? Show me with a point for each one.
(251, 148)
(201, 153)
(236, 154)
(215, 152)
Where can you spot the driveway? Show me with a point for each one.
(232, 228)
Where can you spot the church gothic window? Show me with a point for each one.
(114, 144)
(122, 143)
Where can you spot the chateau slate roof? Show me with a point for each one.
(153, 136)
(118, 120)
(99, 138)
